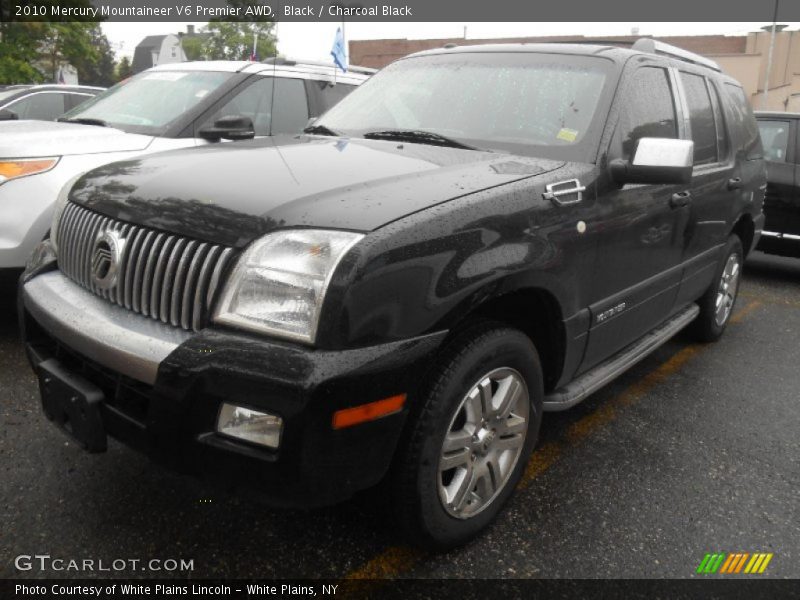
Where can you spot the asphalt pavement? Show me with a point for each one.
(695, 450)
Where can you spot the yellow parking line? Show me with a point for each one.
(387, 564)
(741, 314)
(542, 459)
(772, 299)
(398, 559)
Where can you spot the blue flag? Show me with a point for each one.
(338, 52)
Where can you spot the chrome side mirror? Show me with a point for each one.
(656, 160)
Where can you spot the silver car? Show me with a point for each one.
(170, 106)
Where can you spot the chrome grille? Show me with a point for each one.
(162, 276)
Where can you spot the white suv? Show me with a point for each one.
(166, 107)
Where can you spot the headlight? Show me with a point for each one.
(22, 167)
(58, 209)
(279, 283)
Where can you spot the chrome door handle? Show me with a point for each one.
(555, 195)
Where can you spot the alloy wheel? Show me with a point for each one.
(483, 442)
(728, 287)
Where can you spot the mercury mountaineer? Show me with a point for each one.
(472, 237)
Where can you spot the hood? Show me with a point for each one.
(30, 139)
(232, 193)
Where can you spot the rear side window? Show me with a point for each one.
(290, 108)
(701, 118)
(282, 110)
(723, 141)
(331, 94)
(252, 102)
(775, 139)
(649, 111)
(74, 100)
(44, 106)
(743, 124)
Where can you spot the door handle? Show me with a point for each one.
(735, 183)
(680, 199)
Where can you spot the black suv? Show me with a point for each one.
(472, 237)
(781, 142)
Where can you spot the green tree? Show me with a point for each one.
(31, 50)
(193, 47)
(124, 69)
(96, 69)
(19, 49)
(68, 43)
(234, 41)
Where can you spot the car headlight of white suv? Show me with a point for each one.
(279, 283)
(22, 167)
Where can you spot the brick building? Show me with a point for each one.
(742, 56)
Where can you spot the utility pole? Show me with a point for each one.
(769, 57)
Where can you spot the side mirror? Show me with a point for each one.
(8, 115)
(656, 160)
(232, 127)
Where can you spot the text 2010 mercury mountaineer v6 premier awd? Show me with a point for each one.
(472, 237)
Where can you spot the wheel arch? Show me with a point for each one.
(534, 310)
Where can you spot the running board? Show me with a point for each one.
(591, 381)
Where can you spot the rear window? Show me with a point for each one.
(775, 139)
(701, 118)
(743, 124)
(45, 106)
(331, 94)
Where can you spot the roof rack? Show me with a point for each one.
(289, 62)
(652, 46)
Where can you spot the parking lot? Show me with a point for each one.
(695, 450)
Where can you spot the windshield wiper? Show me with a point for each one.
(84, 121)
(321, 130)
(418, 136)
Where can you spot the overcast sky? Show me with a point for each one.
(313, 41)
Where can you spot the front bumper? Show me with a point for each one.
(163, 388)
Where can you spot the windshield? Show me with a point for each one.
(147, 103)
(528, 103)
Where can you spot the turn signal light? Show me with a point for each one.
(11, 169)
(348, 417)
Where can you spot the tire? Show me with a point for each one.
(712, 320)
(432, 504)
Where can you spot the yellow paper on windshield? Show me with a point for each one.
(568, 135)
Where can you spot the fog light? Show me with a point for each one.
(251, 425)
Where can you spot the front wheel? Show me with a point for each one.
(716, 305)
(472, 437)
